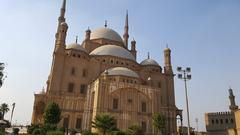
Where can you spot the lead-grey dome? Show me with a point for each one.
(105, 33)
(113, 50)
(150, 62)
(76, 46)
(122, 71)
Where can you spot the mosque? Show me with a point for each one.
(102, 75)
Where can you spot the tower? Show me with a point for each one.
(167, 61)
(58, 54)
(233, 107)
(126, 35)
(133, 48)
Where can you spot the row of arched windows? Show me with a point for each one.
(222, 121)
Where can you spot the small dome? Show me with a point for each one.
(76, 46)
(113, 50)
(122, 71)
(105, 33)
(149, 62)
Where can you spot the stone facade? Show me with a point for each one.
(237, 116)
(101, 75)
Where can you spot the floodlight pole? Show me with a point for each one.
(185, 78)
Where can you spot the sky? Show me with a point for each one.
(202, 34)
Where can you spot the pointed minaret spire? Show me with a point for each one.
(60, 37)
(61, 18)
(148, 55)
(62, 12)
(126, 35)
(76, 39)
(105, 25)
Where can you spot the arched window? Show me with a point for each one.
(70, 87)
(78, 123)
(144, 107)
(84, 73)
(232, 121)
(115, 103)
(72, 71)
(226, 121)
(144, 126)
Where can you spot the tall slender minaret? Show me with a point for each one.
(61, 18)
(167, 61)
(61, 33)
(233, 107)
(126, 35)
(54, 82)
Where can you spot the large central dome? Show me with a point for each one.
(113, 50)
(105, 33)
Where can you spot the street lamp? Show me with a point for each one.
(184, 74)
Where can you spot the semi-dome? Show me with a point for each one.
(76, 46)
(121, 71)
(149, 62)
(105, 33)
(113, 50)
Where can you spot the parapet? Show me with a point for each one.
(219, 113)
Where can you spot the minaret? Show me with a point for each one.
(167, 61)
(61, 29)
(126, 35)
(133, 48)
(233, 107)
(61, 18)
(54, 82)
(88, 34)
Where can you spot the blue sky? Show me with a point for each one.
(203, 34)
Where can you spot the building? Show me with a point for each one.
(237, 117)
(102, 75)
(223, 123)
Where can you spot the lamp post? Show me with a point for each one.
(184, 74)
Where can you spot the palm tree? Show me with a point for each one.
(135, 130)
(104, 123)
(2, 66)
(159, 122)
(4, 109)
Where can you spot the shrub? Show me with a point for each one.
(15, 131)
(1, 133)
(88, 133)
(39, 131)
(55, 133)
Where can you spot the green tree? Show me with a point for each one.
(4, 109)
(119, 132)
(159, 121)
(104, 123)
(52, 114)
(39, 131)
(1, 133)
(2, 66)
(135, 130)
(55, 133)
(15, 131)
(87, 133)
(32, 127)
